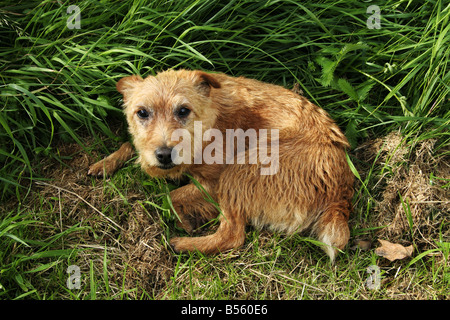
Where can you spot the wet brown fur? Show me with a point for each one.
(311, 190)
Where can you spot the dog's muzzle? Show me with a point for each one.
(164, 157)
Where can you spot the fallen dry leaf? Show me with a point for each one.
(393, 251)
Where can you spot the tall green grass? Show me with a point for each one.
(56, 82)
(24, 254)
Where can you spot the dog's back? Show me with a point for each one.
(313, 186)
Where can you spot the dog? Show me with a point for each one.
(298, 179)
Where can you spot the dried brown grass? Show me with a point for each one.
(406, 187)
(124, 225)
(142, 265)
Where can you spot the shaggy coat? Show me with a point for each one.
(311, 188)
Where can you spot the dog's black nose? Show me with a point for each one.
(164, 155)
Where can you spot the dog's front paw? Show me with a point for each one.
(102, 168)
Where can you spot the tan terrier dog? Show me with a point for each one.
(297, 178)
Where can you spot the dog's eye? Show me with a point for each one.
(143, 114)
(183, 112)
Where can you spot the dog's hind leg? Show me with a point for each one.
(229, 235)
(191, 207)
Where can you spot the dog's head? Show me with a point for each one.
(161, 111)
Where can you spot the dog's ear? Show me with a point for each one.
(125, 84)
(206, 82)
